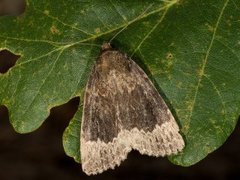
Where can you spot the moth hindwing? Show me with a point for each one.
(123, 111)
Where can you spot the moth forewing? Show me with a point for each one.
(123, 111)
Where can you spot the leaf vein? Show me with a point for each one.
(63, 23)
(150, 32)
(33, 40)
(39, 89)
(220, 97)
(233, 52)
(205, 61)
(94, 36)
(124, 19)
(102, 22)
(129, 23)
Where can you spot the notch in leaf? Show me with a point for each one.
(7, 60)
(12, 7)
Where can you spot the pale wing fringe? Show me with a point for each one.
(98, 156)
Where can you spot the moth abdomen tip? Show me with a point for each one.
(106, 46)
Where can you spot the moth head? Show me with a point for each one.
(106, 46)
(113, 60)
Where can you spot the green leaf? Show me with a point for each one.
(190, 49)
(71, 136)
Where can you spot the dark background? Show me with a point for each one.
(40, 155)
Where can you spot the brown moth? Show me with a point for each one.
(123, 111)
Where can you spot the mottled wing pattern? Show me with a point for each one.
(123, 111)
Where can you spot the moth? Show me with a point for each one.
(123, 111)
